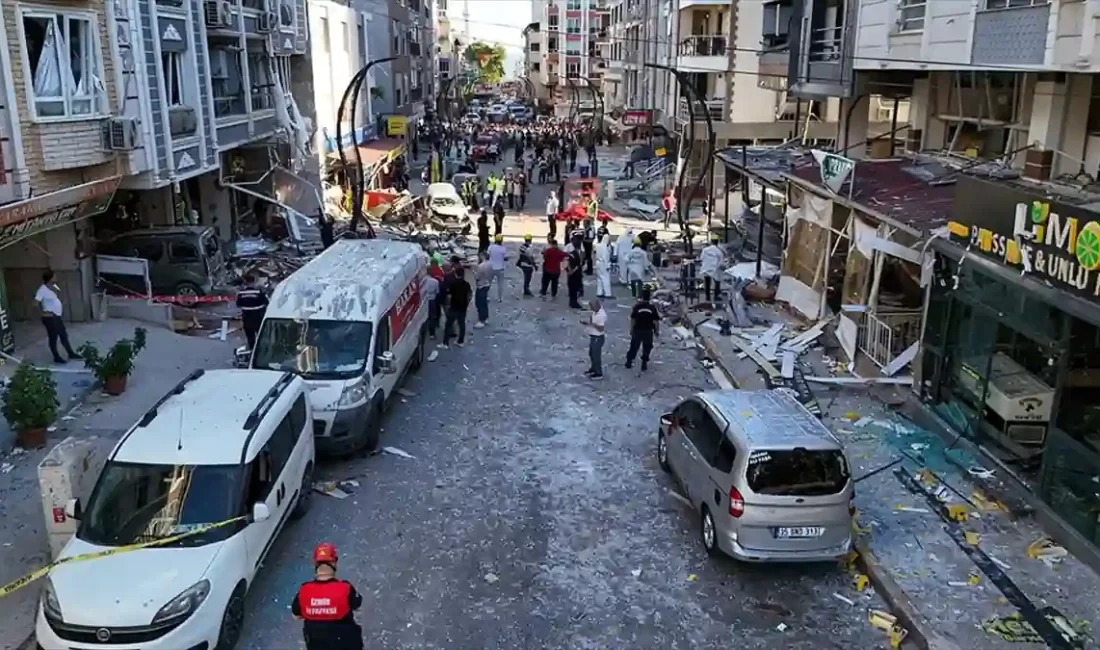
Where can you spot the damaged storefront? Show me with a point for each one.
(855, 244)
(1011, 354)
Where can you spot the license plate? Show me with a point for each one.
(801, 532)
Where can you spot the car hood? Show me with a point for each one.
(127, 589)
(456, 211)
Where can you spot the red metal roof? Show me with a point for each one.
(916, 194)
(374, 150)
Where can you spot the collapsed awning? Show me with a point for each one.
(373, 152)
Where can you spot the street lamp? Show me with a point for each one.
(683, 202)
(352, 92)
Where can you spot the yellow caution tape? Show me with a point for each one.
(18, 584)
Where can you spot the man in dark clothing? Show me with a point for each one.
(526, 264)
(324, 223)
(575, 278)
(588, 242)
(326, 606)
(552, 259)
(644, 323)
(458, 301)
(252, 302)
(483, 231)
(647, 237)
(498, 216)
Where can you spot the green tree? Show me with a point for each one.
(487, 59)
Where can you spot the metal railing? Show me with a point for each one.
(714, 107)
(883, 336)
(703, 46)
(826, 44)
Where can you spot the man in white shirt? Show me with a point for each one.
(498, 255)
(552, 215)
(49, 304)
(595, 326)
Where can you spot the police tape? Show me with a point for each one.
(37, 574)
(179, 299)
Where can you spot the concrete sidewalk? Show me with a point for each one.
(958, 584)
(89, 414)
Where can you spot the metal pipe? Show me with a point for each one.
(355, 86)
(726, 203)
(894, 126)
(760, 230)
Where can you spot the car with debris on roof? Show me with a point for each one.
(769, 481)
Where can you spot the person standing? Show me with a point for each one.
(552, 259)
(588, 242)
(49, 305)
(552, 215)
(644, 323)
(668, 205)
(637, 264)
(575, 278)
(498, 255)
(483, 231)
(483, 279)
(622, 251)
(252, 302)
(603, 267)
(711, 261)
(429, 286)
(526, 264)
(510, 190)
(518, 190)
(498, 217)
(458, 301)
(595, 325)
(326, 606)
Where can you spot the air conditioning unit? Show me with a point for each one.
(120, 134)
(217, 13)
(269, 22)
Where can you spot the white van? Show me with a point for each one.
(351, 322)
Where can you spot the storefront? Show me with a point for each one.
(49, 232)
(1011, 347)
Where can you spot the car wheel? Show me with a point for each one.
(188, 294)
(232, 621)
(305, 494)
(418, 356)
(708, 533)
(372, 435)
(662, 452)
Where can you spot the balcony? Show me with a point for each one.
(714, 107)
(414, 48)
(703, 54)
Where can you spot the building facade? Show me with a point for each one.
(567, 49)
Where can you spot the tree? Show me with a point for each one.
(487, 59)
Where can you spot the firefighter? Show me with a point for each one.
(325, 605)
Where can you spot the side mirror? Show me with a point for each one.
(666, 420)
(73, 510)
(260, 512)
(387, 364)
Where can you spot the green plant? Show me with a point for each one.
(119, 360)
(30, 402)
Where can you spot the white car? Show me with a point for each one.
(224, 445)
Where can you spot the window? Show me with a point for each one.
(382, 343)
(259, 72)
(553, 22)
(281, 444)
(183, 252)
(700, 429)
(573, 5)
(151, 251)
(326, 38)
(171, 65)
(723, 462)
(534, 47)
(298, 419)
(572, 25)
(797, 472)
(63, 64)
(346, 34)
(286, 13)
(535, 66)
(573, 47)
(321, 349)
(552, 45)
(572, 70)
(1012, 4)
(226, 84)
(911, 16)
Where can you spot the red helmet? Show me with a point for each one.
(324, 553)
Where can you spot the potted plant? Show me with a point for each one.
(30, 404)
(113, 368)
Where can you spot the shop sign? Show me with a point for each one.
(1052, 241)
(636, 117)
(41, 213)
(397, 125)
(835, 169)
(7, 339)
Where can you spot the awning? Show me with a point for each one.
(41, 213)
(373, 152)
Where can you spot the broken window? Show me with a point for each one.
(63, 59)
(171, 65)
(226, 81)
(259, 72)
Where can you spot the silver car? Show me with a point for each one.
(769, 480)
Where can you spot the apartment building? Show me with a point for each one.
(987, 225)
(567, 49)
(445, 47)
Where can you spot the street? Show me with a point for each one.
(533, 513)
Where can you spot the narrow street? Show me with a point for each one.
(533, 513)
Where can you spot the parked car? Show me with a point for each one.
(486, 147)
(770, 482)
(184, 261)
(223, 446)
(351, 322)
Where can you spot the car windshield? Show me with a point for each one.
(797, 472)
(136, 503)
(316, 349)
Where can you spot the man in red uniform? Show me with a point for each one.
(326, 606)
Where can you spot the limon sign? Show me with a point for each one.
(1056, 242)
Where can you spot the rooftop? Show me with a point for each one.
(203, 424)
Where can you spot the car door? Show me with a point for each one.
(302, 430)
(696, 449)
(677, 451)
(262, 488)
(704, 437)
(721, 479)
(382, 344)
(186, 263)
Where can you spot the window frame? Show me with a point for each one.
(98, 96)
(999, 5)
(907, 24)
(173, 259)
(176, 68)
